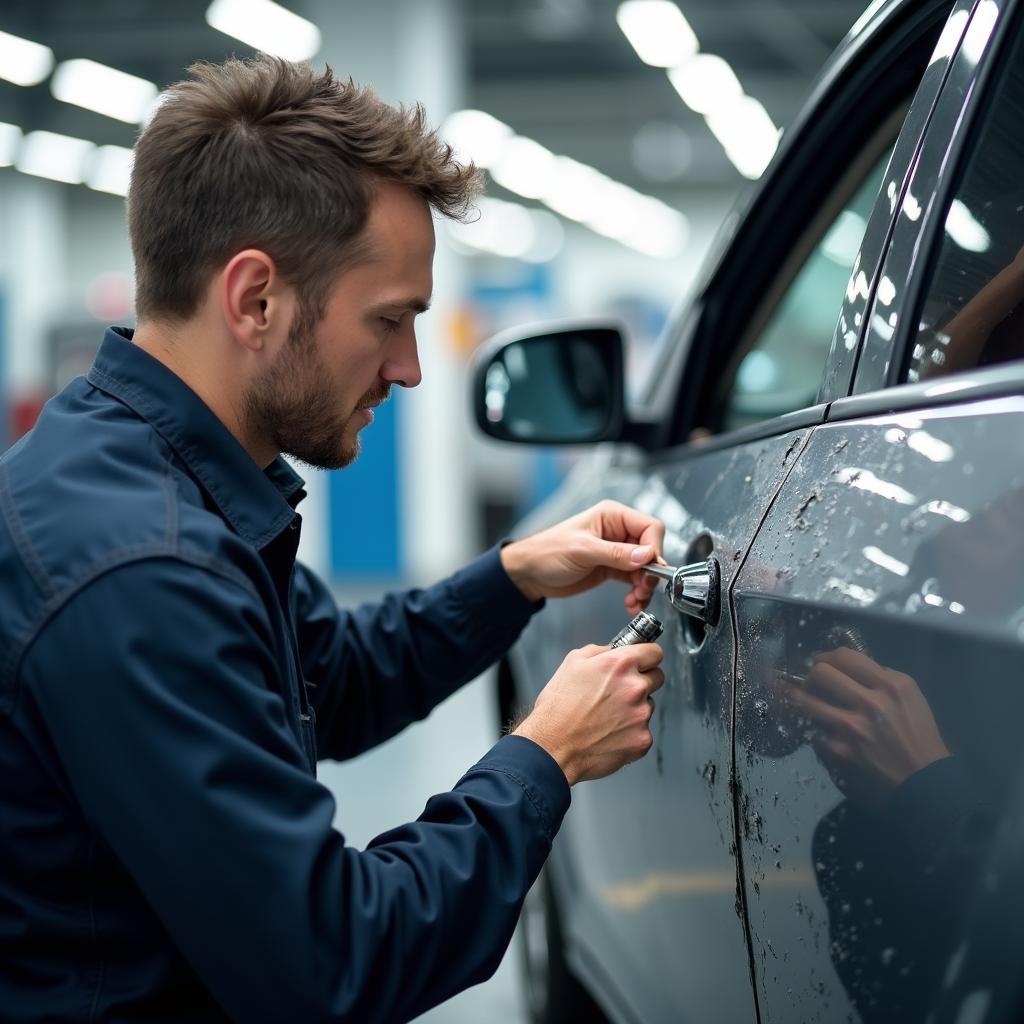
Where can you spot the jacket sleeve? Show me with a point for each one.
(158, 687)
(378, 668)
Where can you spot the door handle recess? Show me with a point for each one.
(694, 589)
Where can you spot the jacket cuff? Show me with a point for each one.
(532, 767)
(484, 585)
(933, 804)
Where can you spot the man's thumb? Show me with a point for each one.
(641, 554)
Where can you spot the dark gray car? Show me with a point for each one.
(831, 824)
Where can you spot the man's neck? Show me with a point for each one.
(189, 354)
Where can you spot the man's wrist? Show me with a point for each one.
(516, 567)
(530, 729)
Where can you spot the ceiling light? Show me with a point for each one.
(842, 241)
(658, 32)
(110, 170)
(886, 561)
(574, 189)
(511, 230)
(10, 139)
(524, 167)
(22, 61)
(706, 82)
(59, 157)
(747, 134)
(103, 89)
(963, 227)
(950, 37)
(476, 136)
(266, 26)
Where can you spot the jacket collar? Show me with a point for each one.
(257, 504)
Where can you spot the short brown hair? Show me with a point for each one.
(268, 154)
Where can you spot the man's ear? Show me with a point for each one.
(256, 304)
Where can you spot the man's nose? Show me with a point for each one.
(404, 368)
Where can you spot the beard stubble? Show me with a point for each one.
(294, 406)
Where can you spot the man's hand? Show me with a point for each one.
(874, 726)
(608, 541)
(594, 715)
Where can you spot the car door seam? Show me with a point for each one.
(741, 886)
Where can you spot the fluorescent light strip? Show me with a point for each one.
(707, 84)
(963, 227)
(511, 230)
(476, 136)
(747, 134)
(575, 190)
(22, 61)
(116, 94)
(58, 157)
(266, 26)
(10, 140)
(110, 170)
(658, 31)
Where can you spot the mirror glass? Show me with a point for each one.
(558, 388)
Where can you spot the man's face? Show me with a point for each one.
(313, 400)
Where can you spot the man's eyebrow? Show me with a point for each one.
(414, 302)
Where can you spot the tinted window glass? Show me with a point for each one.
(973, 314)
(782, 371)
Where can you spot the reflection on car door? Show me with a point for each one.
(880, 616)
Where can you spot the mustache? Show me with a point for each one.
(376, 397)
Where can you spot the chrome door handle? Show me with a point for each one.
(694, 589)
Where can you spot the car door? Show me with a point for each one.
(646, 867)
(880, 610)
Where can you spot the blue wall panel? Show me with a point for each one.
(365, 527)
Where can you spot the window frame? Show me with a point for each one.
(914, 248)
(685, 381)
(803, 249)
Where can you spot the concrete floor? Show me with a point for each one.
(391, 784)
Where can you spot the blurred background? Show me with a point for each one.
(616, 138)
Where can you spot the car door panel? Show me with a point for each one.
(889, 538)
(646, 856)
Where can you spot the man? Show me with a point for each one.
(169, 674)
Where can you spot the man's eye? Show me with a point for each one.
(390, 326)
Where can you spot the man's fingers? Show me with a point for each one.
(620, 556)
(818, 710)
(647, 656)
(860, 667)
(655, 680)
(836, 687)
(620, 522)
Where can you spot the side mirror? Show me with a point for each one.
(563, 386)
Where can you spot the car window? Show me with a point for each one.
(973, 311)
(782, 369)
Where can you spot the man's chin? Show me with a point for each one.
(328, 460)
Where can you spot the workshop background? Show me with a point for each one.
(616, 138)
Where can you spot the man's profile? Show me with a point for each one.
(169, 674)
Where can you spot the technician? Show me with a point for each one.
(169, 675)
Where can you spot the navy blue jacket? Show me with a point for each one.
(167, 676)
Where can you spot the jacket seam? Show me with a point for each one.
(22, 543)
(101, 967)
(127, 393)
(171, 535)
(545, 816)
(121, 558)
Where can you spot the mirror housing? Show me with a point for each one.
(562, 383)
